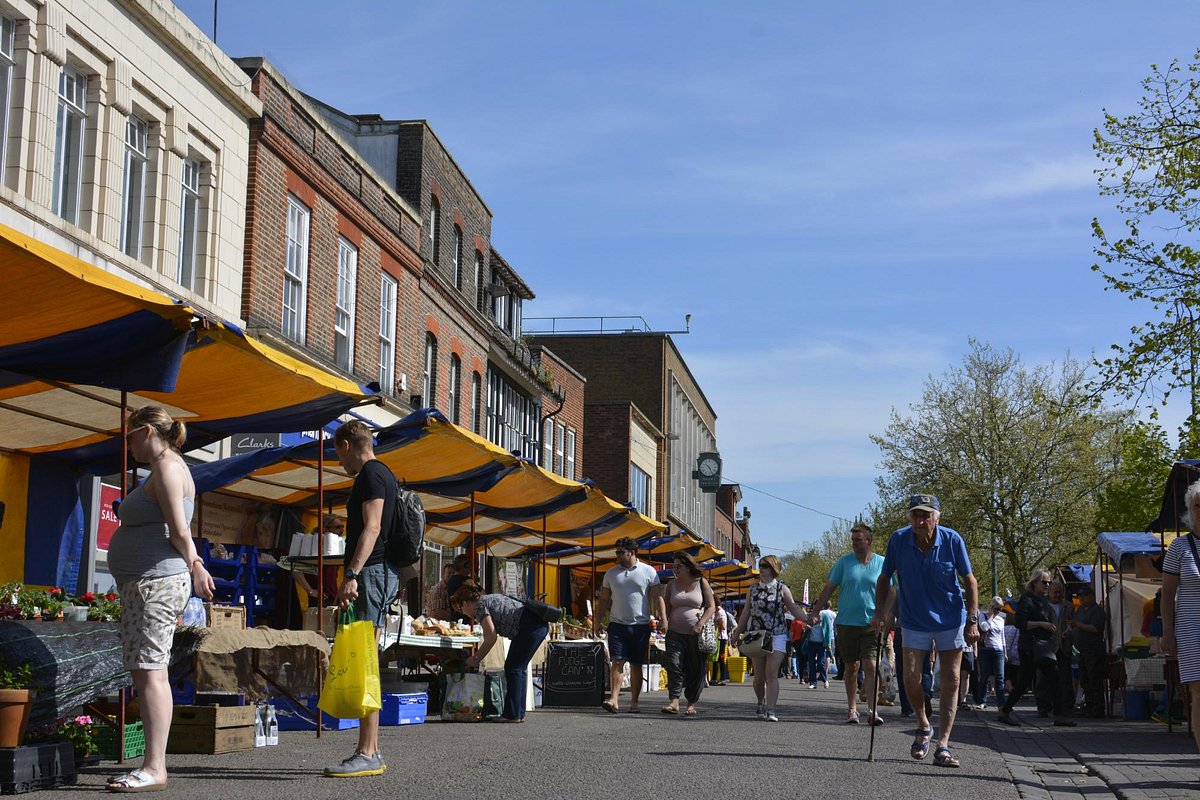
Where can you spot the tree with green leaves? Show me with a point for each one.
(1151, 168)
(1017, 455)
(1132, 498)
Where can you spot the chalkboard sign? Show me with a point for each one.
(575, 674)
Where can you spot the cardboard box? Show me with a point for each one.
(331, 619)
(226, 616)
(211, 729)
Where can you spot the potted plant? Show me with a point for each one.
(16, 700)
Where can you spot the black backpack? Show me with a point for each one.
(405, 538)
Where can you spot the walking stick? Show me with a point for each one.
(874, 704)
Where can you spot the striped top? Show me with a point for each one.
(1180, 561)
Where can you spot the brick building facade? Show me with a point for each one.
(640, 393)
(474, 360)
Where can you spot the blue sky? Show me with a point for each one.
(840, 194)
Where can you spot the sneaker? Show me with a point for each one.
(770, 716)
(812, 685)
(852, 717)
(826, 684)
(762, 711)
(876, 719)
(357, 766)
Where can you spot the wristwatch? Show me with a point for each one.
(971, 618)
(351, 575)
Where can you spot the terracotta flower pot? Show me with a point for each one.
(15, 705)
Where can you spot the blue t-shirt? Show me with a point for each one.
(856, 588)
(931, 598)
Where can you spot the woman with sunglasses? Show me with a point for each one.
(690, 605)
(1036, 648)
(154, 562)
(766, 603)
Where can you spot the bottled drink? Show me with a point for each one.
(260, 734)
(272, 726)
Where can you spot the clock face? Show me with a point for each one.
(709, 467)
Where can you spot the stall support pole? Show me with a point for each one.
(320, 554)
(472, 527)
(123, 695)
(545, 591)
(592, 586)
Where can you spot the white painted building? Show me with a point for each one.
(125, 137)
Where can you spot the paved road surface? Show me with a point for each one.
(725, 753)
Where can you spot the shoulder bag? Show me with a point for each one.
(759, 642)
(544, 611)
(707, 642)
(756, 643)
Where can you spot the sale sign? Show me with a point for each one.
(108, 517)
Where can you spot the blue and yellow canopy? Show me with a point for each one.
(465, 482)
(72, 336)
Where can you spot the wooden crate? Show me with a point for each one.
(211, 729)
(226, 616)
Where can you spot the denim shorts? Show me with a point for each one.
(628, 642)
(940, 641)
(378, 584)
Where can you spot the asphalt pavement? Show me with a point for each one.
(726, 752)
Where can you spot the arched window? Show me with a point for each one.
(429, 390)
(435, 215)
(458, 270)
(454, 389)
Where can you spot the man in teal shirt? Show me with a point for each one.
(854, 577)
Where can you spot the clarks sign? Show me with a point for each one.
(249, 442)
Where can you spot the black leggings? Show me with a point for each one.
(1029, 669)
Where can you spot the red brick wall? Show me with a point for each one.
(607, 448)
(291, 154)
(573, 388)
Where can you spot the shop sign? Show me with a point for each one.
(249, 442)
(108, 523)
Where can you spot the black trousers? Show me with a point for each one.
(1091, 678)
(685, 666)
(1045, 670)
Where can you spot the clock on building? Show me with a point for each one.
(708, 471)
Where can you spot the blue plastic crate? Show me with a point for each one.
(404, 709)
(292, 719)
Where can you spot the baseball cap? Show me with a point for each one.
(923, 502)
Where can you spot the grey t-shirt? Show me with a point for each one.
(141, 547)
(630, 593)
(504, 611)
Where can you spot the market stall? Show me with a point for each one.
(1129, 572)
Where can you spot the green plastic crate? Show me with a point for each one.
(135, 741)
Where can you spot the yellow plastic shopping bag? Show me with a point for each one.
(351, 688)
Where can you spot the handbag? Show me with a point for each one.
(1044, 650)
(544, 611)
(757, 643)
(707, 642)
(352, 687)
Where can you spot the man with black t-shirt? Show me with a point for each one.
(370, 581)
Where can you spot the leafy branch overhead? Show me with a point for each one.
(1151, 168)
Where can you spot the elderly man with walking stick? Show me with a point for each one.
(936, 612)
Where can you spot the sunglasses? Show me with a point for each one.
(1046, 583)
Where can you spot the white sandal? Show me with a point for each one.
(134, 781)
